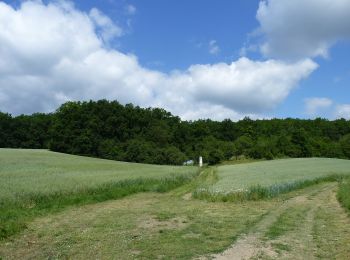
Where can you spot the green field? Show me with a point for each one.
(35, 182)
(58, 206)
(27, 172)
(268, 173)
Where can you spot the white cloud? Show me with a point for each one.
(299, 28)
(343, 111)
(108, 29)
(53, 53)
(213, 47)
(130, 9)
(246, 85)
(316, 106)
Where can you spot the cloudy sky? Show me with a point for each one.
(217, 59)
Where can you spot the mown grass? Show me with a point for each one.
(141, 226)
(287, 221)
(331, 233)
(23, 197)
(14, 215)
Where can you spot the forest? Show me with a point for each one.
(110, 130)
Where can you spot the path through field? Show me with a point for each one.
(303, 224)
(309, 226)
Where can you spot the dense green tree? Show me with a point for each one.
(345, 145)
(243, 145)
(108, 129)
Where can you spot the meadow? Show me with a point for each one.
(35, 181)
(63, 206)
(26, 172)
(268, 179)
(268, 173)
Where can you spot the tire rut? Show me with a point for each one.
(255, 245)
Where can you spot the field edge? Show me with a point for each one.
(15, 216)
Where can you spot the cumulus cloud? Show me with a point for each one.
(315, 106)
(299, 28)
(246, 85)
(53, 53)
(343, 111)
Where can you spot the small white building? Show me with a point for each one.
(200, 162)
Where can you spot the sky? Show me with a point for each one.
(196, 59)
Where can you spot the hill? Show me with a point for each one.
(37, 181)
(24, 172)
(268, 173)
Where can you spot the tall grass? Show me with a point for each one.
(343, 194)
(24, 172)
(258, 192)
(15, 213)
(267, 173)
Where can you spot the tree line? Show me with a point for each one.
(110, 130)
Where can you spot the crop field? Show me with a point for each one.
(78, 208)
(37, 181)
(28, 172)
(268, 173)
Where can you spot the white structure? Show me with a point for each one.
(200, 161)
(189, 162)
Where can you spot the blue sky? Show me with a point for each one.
(215, 59)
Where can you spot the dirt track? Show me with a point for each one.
(320, 230)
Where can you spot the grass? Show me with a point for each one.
(141, 226)
(267, 179)
(343, 194)
(164, 226)
(24, 172)
(159, 225)
(259, 192)
(37, 182)
(289, 220)
(331, 234)
(268, 173)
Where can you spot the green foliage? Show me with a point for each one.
(345, 145)
(344, 194)
(110, 130)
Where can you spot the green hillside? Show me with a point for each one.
(33, 182)
(268, 173)
(25, 172)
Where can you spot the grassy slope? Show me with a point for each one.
(36, 182)
(268, 173)
(24, 172)
(174, 226)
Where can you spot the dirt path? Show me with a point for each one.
(309, 226)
